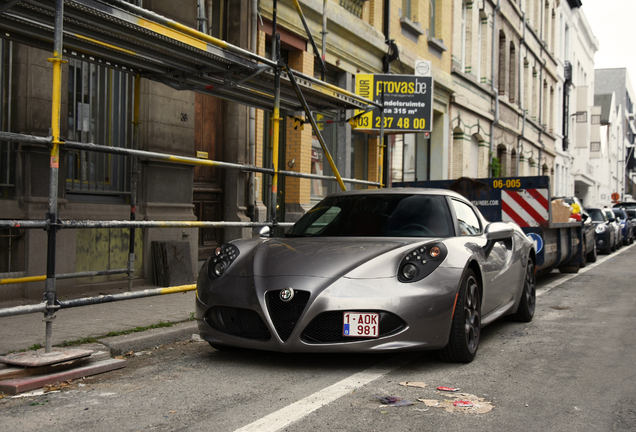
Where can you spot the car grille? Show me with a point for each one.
(327, 328)
(285, 315)
(245, 323)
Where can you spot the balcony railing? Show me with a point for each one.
(353, 6)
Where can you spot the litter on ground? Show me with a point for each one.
(461, 402)
(413, 384)
(394, 401)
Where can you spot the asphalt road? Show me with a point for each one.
(570, 369)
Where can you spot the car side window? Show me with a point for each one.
(327, 217)
(467, 219)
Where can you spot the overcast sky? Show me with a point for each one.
(614, 25)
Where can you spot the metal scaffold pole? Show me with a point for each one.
(50, 293)
(314, 125)
(276, 115)
(133, 183)
(275, 133)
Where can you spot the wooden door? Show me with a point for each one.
(208, 181)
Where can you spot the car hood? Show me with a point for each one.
(316, 257)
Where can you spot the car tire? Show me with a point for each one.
(571, 268)
(583, 256)
(466, 325)
(528, 301)
(591, 257)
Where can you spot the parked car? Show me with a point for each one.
(631, 214)
(370, 271)
(605, 233)
(589, 228)
(618, 241)
(627, 229)
(626, 204)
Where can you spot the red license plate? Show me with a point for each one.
(361, 324)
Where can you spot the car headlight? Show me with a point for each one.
(421, 262)
(600, 229)
(222, 259)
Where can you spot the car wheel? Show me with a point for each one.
(528, 301)
(571, 268)
(591, 257)
(583, 256)
(466, 325)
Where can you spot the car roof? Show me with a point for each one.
(627, 204)
(402, 191)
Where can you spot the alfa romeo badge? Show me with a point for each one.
(286, 294)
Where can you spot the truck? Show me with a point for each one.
(558, 241)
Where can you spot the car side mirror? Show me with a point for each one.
(261, 231)
(584, 217)
(495, 232)
(612, 220)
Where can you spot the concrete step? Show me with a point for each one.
(10, 372)
(19, 385)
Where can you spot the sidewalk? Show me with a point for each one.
(23, 331)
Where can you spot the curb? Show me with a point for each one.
(150, 338)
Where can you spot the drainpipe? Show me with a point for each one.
(251, 192)
(201, 18)
(492, 75)
(385, 148)
(541, 95)
(521, 101)
(324, 35)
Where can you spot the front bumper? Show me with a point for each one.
(412, 316)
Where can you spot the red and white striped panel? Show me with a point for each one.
(526, 207)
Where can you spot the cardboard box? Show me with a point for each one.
(560, 211)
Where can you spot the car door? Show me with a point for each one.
(496, 270)
(589, 231)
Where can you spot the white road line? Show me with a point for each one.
(598, 262)
(299, 409)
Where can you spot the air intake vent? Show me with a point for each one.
(245, 323)
(285, 315)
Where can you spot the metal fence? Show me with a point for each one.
(101, 101)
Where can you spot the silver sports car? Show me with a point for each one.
(370, 271)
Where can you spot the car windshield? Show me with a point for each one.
(631, 213)
(609, 214)
(376, 215)
(596, 215)
(618, 214)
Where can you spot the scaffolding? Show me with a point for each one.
(126, 37)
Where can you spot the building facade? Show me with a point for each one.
(614, 86)
(355, 41)
(97, 107)
(575, 173)
(505, 71)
